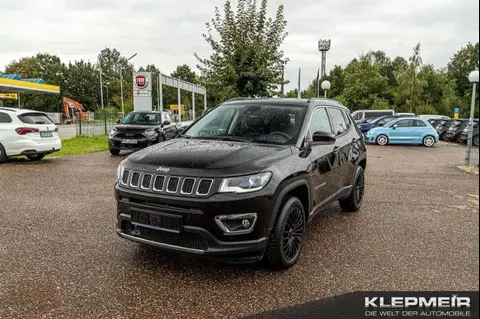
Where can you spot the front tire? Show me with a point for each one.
(114, 151)
(285, 242)
(475, 142)
(3, 154)
(354, 201)
(428, 141)
(35, 157)
(382, 140)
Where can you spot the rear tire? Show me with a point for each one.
(382, 140)
(428, 141)
(459, 138)
(3, 154)
(114, 151)
(475, 142)
(285, 242)
(35, 157)
(354, 201)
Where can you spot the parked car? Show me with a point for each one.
(381, 121)
(27, 132)
(464, 135)
(404, 131)
(406, 114)
(243, 181)
(455, 131)
(362, 115)
(433, 122)
(140, 129)
(437, 117)
(443, 126)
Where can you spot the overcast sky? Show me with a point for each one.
(167, 32)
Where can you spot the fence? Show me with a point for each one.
(98, 124)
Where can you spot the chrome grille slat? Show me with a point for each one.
(146, 181)
(204, 182)
(135, 179)
(188, 188)
(173, 181)
(159, 179)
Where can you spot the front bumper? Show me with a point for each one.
(116, 144)
(198, 233)
(450, 135)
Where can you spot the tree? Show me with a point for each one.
(246, 59)
(81, 84)
(461, 64)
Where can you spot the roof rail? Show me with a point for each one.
(240, 98)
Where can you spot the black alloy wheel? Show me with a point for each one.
(292, 233)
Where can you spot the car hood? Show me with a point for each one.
(195, 155)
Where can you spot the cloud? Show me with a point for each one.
(167, 32)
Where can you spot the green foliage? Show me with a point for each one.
(381, 104)
(246, 58)
(426, 109)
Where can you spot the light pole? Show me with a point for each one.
(106, 86)
(101, 87)
(473, 77)
(121, 84)
(324, 47)
(326, 85)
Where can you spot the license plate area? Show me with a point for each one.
(46, 134)
(157, 220)
(129, 141)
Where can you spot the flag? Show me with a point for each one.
(299, 83)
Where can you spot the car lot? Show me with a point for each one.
(60, 255)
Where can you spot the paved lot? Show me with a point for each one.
(60, 256)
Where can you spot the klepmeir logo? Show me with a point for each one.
(416, 306)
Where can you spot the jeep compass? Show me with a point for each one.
(243, 181)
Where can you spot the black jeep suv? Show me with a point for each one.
(140, 129)
(243, 181)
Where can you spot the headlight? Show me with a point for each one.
(119, 171)
(245, 184)
(150, 132)
(112, 132)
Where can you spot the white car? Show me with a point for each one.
(27, 132)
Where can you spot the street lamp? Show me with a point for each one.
(473, 78)
(121, 83)
(326, 85)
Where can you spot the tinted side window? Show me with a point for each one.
(358, 116)
(371, 115)
(34, 118)
(338, 121)
(404, 123)
(320, 121)
(385, 120)
(5, 118)
(419, 123)
(347, 119)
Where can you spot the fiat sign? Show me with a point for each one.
(141, 81)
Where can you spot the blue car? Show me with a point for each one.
(404, 131)
(381, 121)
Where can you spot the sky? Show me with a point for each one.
(168, 32)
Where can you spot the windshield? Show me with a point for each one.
(142, 118)
(258, 123)
(35, 118)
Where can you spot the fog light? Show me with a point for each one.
(236, 224)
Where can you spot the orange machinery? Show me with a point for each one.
(74, 110)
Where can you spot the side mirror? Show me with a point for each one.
(166, 123)
(323, 138)
(395, 126)
(119, 121)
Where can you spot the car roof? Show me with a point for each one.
(18, 111)
(288, 101)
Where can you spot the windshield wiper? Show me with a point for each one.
(184, 136)
(223, 138)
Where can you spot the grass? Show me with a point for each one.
(82, 145)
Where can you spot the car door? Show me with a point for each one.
(7, 132)
(343, 147)
(402, 131)
(323, 158)
(420, 130)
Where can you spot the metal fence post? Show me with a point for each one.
(470, 129)
(105, 121)
(80, 127)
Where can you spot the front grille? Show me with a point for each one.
(183, 239)
(146, 181)
(204, 186)
(187, 186)
(172, 184)
(135, 179)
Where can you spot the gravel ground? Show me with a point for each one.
(61, 258)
